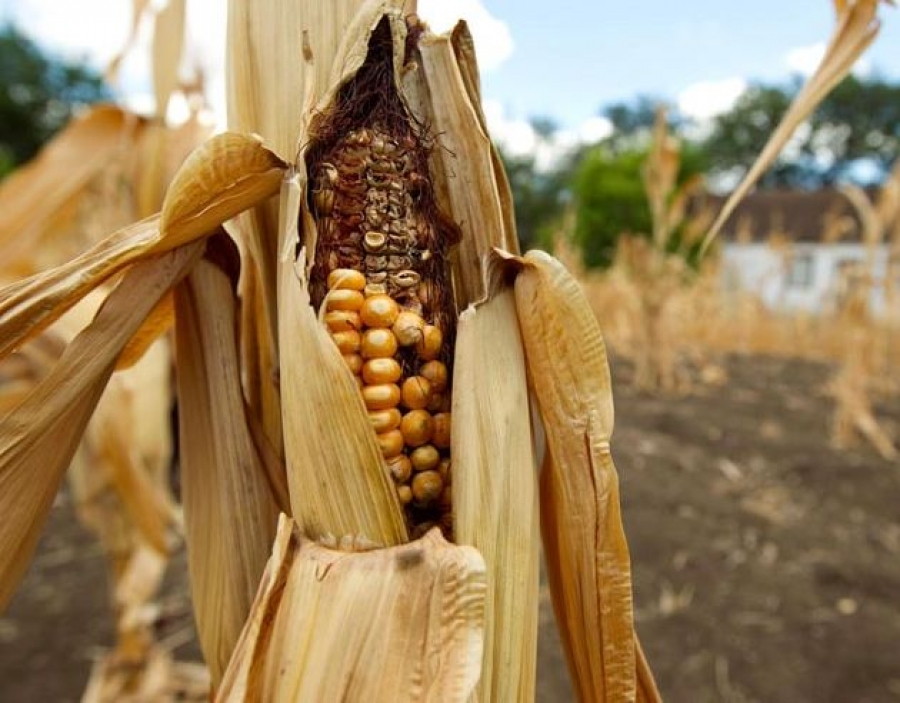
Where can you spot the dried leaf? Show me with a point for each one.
(221, 178)
(587, 555)
(38, 439)
(856, 29)
(338, 481)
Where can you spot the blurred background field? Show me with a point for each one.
(757, 385)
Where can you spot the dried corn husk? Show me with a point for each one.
(400, 624)
(587, 555)
(326, 429)
(495, 490)
(220, 179)
(223, 475)
(39, 203)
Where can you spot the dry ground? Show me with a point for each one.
(766, 565)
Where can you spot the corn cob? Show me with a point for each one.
(381, 274)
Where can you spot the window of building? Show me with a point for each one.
(800, 273)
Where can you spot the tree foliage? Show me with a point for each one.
(611, 201)
(859, 120)
(38, 95)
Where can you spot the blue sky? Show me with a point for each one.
(567, 63)
(558, 59)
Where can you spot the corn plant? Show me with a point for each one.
(375, 270)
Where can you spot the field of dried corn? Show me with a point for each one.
(766, 563)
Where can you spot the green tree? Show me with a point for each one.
(740, 134)
(539, 194)
(39, 94)
(860, 119)
(610, 199)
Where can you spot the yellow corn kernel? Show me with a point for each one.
(405, 494)
(384, 370)
(349, 279)
(417, 427)
(425, 458)
(343, 299)
(381, 397)
(427, 487)
(400, 467)
(432, 341)
(379, 311)
(416, 392)
(390, 443)
(385, 420)
(441, 434)
(354, 362)
(378, 343)
(436, 372)
(347, 342)
(343, 320)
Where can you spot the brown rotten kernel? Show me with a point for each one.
(417, 427)
(416, 392)
(381, 397)
(378, 344)
(383, 370)
(379, 311)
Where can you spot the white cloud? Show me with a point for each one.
(706, 99)
(804, 60)
(517, 137)
(493, 40)
(96, 30)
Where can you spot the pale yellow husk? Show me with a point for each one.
(393, 625)
(495, 490)
(229, 508)
(336, 475)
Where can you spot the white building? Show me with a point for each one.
(797, 250)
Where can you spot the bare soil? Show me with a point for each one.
(766, 564)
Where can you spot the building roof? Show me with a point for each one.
(813, 216)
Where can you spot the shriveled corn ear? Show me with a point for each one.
(326, 624)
